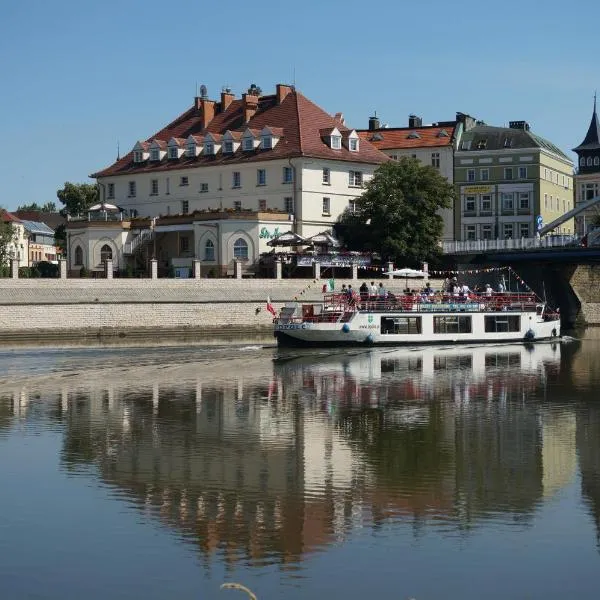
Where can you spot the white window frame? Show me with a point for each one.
(522, 226)
(470, 232)
(132, 189)
(484, 228)
(227, 147)
(471, 175)
(237, 205)
(203, 188)
(326, 176)
(352, 205)
(508, 170)
(508, 198)
(522, 172)
(484, 174)
(470, 200)
(288, 205)
(138, 156)
(209, 251)
(209, 148)
(261, 177)
(110, 192)
(288, 175)
(185, 207)
(353, 144)
(485, 200)
(155, 154)
(435, 160)
(524, 201)
(248, 144)
(336, 142)
(173, 152)
(266, 142)
(326, 206)
(184, 180)
(355, 178)
(506, 227)
(191, 150)
(240, 249)
(236, 179)
(154, 187)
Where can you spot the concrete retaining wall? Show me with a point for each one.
(585, 281)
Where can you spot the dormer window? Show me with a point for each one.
(353, 144)
(336, 142)
(507, 142)
(482, 144)
(173, 152)
(138, 156)
(228, 147)
(209, 148)
(266, 142)
(413, 135)
(442, 133)
(155, 154)
(248, 144)
(191, 150)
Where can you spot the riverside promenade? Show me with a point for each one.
(48, 310)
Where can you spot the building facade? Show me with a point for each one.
(257, 164)
(432, 144)
(33, 241)
(587, 179)
(509, 182)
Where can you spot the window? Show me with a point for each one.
(469, 203)
(486, 232)
(336, 142)
(400, 325)
(589, 161)
(466, 144)
(184, 245)
(326, 176)
(237, 205)
(132, 189)
(435, 160)
(203, 188)
(228, 147)
(78, 256)
(355, 178)
(267, 142)
(209, 250)
(240, 249)
(154, 187)
(288, 175)
(524, 230)
(471, 232)
(522, 172)
(508, 173)
(352, 205)
(486, 203)
(155, 154)
(481, 144)
(484, 174)
(248, 144)
(183, 181)
(261, 177)
(596, 161)
(470, 174)
(582, 161)
(262, 205)
(173, 152)
(507, 142)
(353, 144)
(508, 231)
(288, 205)
(191, 150)
(523, 200)
(138, 156)
(508, 201)
(545, 200)
(209, 148)
(454, 324)
(236, 179)
(105, 253)
(394, 156)
(185, 207)
(502, 323)
(326, 206)
(111, 190)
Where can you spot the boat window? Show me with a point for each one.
(400, 325)
(502, 323)
(452, 324)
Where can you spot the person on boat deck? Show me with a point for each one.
(501, 288)
(364, 291)
(382, 292)
(373, 291)
(488, 290)
(456, 290)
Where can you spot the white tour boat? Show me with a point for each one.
(340, 320)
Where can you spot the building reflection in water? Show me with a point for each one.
(266, 460)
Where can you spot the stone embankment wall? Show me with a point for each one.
(195, 309)
(585, 281)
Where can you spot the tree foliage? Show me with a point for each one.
(77, 197)
(8, 235)
(398, 214)
(49, 207)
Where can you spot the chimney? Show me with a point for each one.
(339, 117)
(519, 125)
(373, 122)
(250, 106)
(414, 121)
(226, 99)
(282, 92)
(208, 111)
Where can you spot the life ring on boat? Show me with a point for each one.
(345, 328)
(554, 332)
(530, 334)
(369, 339)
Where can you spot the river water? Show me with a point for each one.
(438, 473)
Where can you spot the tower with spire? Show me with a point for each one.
(587, 178)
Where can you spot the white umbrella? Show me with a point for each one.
(406, 273)
(103, 206)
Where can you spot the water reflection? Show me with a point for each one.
(263, 457)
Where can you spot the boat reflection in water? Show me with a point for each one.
(267, 458)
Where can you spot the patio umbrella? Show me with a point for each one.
(289, 238)
(103, 206)
(323, 239)
(406, 273)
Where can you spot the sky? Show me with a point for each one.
(79, 78)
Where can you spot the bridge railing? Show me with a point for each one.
(471, 246)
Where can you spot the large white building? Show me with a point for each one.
(221, 180)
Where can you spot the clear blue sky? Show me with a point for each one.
(77, 76)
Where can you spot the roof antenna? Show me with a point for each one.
(118, 150)
(294, 77)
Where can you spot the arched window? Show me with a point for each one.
(240, 249)
(78, 256)
(589, 161)
(582, 161)
(209, 250)
(596, 161)
(105, 253)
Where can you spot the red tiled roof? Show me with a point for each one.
(428, 137)
(299, 120)
(8, 217)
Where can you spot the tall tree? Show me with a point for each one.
(398, 214)
(8, 235)
(77, 197)
(49, 207)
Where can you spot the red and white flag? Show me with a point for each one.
(270, 307)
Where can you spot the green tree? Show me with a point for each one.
(49, 207)
(77, 197)
(398, 214)
(8, 235)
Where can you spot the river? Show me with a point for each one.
(438, 473)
